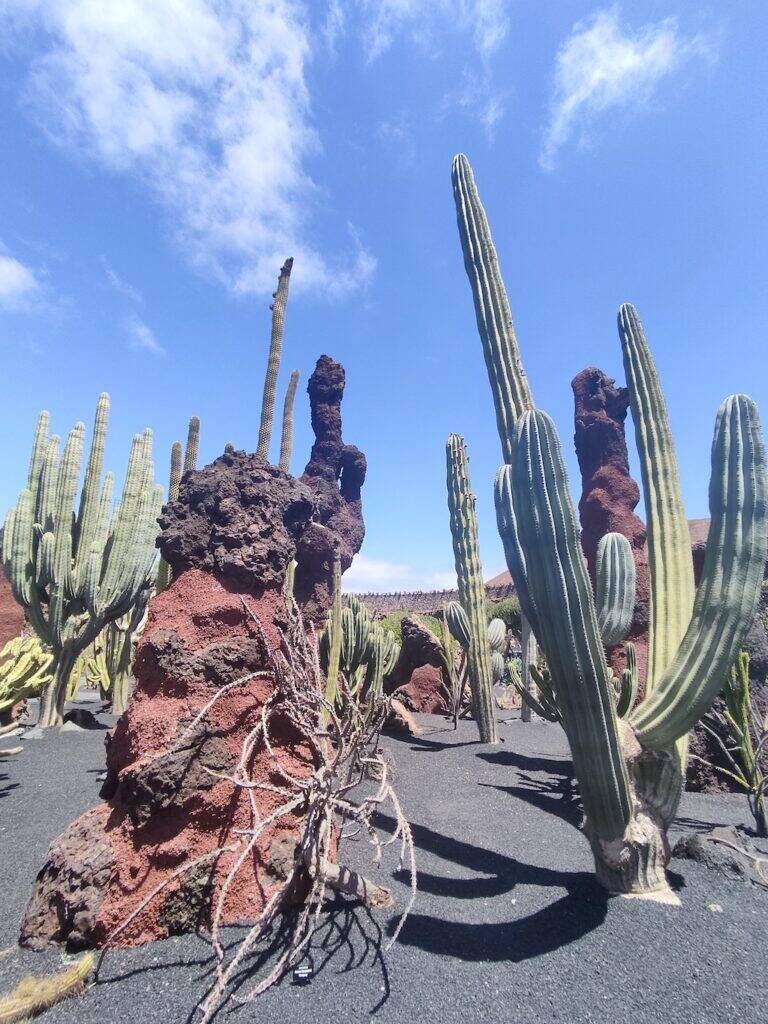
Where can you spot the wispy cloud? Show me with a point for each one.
(18, 284)
(141, 336)
(119, 285)
(486, 19)
(603, 65)
(206, 101)
(378, 575)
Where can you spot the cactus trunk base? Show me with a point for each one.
(54, 697)
(121, 692)
(635, 863)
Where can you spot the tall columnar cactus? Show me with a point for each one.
(163, 569)
(74, 574)
(273, 361)
(529, 657)
(614, 587)
(192, 450)
(461, 505)
(627, 771)
(111, 665)
(286, 438)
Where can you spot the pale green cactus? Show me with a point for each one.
(25, 671)
(74, 574)
(497, 634)
(614, 587)
(469, 573)
(286, 438)
(630, 800)
(273, 361)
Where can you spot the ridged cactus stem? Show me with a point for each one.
(530, 653)
(461, 505)
(669, 541)
(174, 481)
(509, 384)
(273, 361)
(286, 439)
(193, 446)
(614, 587)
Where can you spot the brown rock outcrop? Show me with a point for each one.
(229, 538)
(609, 495)
(417, 678)
(335, 475)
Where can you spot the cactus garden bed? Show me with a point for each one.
(509, 922)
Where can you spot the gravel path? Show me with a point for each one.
(508, 926)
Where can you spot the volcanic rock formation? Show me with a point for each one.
(609, 495)
(335, 475)
(229, 539)
(417, 678)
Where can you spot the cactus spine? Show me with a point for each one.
(461, 505)
(74, 574)
(614, 587)
(628, 776)
(273, 362)
(286, 438)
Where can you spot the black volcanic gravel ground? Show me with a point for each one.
(508, 926)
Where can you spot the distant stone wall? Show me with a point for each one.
(424, 602)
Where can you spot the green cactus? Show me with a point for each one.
(497, 634)
(163, 579)
(110, 665)
(461, 505)
(286, 438)
(334, 634)
(74, 574)
(614, 587)
(367, 652)
(25, 671)
(191, 451)
(627, 773)
(627, 684)
(273, 362)
(539, 696)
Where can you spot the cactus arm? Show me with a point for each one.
(273, 361)
(193, 446)
(509, 384)
(614, 587)
(506, 522)
(669, 541)
(461, 506)
(286, 439)
(628, 684)
(334, 634)
(458, 623)
(174, 482)
(497, 634)
(568, 633)
(88, 515)
(39, 448)
(731, 579)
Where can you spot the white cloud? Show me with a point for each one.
(18, 284)
(602, 65)
(120, 285)
(376, 575)
(205, 100)
(418, 19)
(143, 337)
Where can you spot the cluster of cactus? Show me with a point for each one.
(363, 651)
(456, 633)
(469, 575)
(179, 466)
(109, 665)
(629, 771)
(74, 573)
(739, 733)
(25, 671)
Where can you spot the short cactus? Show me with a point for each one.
(286, 438)
(614, 587)
(461, 506)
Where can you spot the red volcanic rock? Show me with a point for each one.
(12, 620)
(166, 805)
(609, 495)
(335, 475)
(424, 691)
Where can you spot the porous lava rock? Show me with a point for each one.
(424, 691)
(335, 475)
(12, 620)
(229, 538)
(609, 495)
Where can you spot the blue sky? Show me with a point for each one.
(160, 158)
